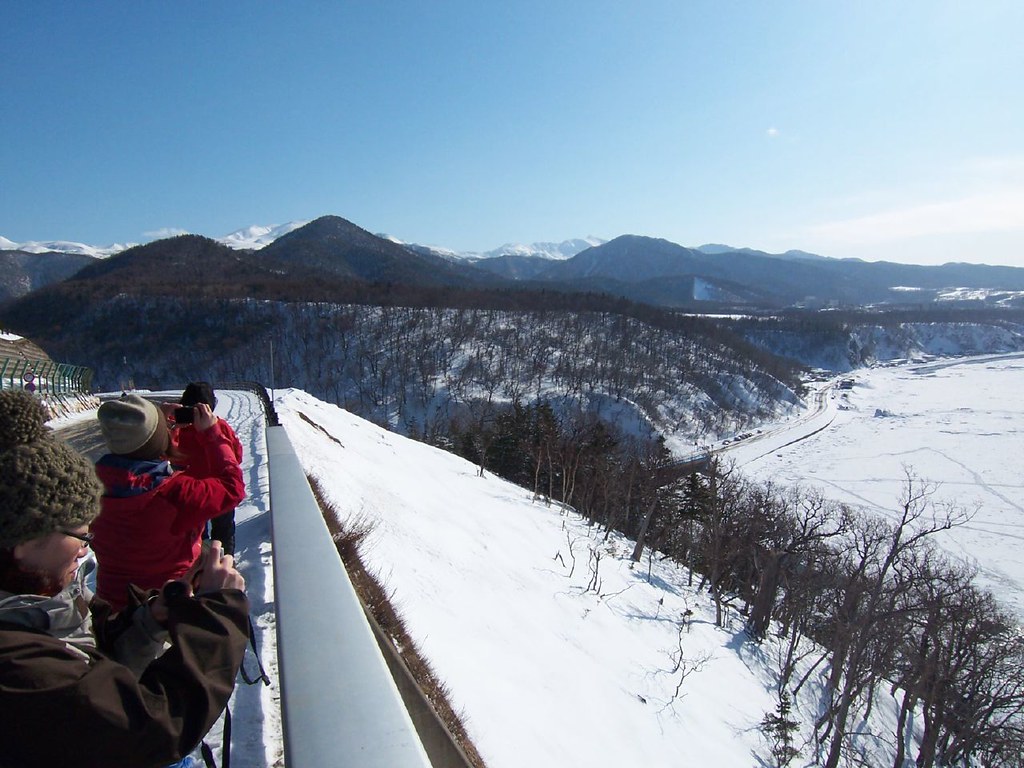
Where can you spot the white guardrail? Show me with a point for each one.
(340, 704)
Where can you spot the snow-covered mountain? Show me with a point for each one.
(247, 238)
(555, 251)
(63, 246)
(259, 236)
(561, 251)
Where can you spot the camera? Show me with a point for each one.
(174, 591)
(184, 415)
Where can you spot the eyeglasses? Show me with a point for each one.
(85, 538)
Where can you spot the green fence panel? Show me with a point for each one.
(44, 377)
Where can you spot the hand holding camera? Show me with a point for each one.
(200, 416)
(211, 572)
(214, 571)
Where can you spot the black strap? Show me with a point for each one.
(225, 755)
(262, 676)
(207, 755)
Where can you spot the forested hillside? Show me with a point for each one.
(21, 273)
(843, 341)
(433, 349)
(417, 369)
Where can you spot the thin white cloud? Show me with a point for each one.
(772, 133)
(996, 167)
(1001, 211)
(160, 234)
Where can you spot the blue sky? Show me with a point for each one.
(879, 130)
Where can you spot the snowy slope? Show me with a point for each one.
(559, 658)
(494, 588)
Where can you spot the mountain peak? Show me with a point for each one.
(559, 251)
(340, 248)
(258, 236)
(330, 228)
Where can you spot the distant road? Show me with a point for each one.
(773, 437)
(951, 361)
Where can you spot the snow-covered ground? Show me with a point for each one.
(556, 648)
(957, 424)
(256, 710)
(557, 651)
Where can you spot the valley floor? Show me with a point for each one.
(957, 424)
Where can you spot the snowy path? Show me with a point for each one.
(256, 710)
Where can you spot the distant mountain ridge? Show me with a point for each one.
(640, 269)
(259, 236)
(717, 248)
(63, 246)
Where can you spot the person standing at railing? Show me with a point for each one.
(68, 691)
(149, 528)
(188, 442)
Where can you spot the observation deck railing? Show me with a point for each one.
(340, 704)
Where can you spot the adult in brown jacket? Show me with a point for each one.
(75, 688)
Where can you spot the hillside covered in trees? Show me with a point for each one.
(417, 369)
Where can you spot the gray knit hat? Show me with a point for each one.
(45, 485)
(133, 426)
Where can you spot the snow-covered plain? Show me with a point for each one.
(956, 424)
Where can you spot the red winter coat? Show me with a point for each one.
(151, 516)
(186, 440)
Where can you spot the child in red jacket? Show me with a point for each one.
(148, 529)
(191, 456)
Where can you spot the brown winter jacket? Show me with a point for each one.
(76, 706)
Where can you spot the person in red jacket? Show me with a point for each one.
(187, 442)
(148, 529)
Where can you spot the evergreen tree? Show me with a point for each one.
(779, 728)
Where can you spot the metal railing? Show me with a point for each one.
(340, 704)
